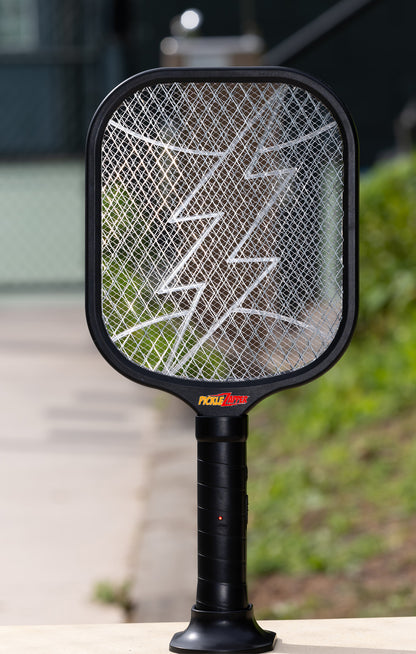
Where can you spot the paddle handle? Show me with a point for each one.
(222, 513)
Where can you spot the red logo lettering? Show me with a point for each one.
(222, 399)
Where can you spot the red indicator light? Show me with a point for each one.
(220, 517)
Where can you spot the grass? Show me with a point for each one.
(379, 509)
(332, 463)
(111, 594)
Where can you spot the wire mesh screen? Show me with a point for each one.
(222, 229)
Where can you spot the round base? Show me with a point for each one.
(223, 632)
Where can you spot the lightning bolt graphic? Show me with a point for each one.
(168, 286)
(171, 284)
(285, 176)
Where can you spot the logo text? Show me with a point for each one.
(222, 399)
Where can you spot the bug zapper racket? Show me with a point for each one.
(221, 267)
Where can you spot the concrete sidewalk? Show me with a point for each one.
(97, 478)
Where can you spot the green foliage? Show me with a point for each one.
(310, 481)
(124, 228)
(388, 228)
(106, 592)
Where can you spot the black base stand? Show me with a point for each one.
(223, 632)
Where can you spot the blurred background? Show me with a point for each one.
(333, 503)
(59, 59)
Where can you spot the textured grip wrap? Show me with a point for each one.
(222, 525)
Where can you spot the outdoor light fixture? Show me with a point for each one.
(191, 19)
(221, 267)
(186, 23)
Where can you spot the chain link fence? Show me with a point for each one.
(57, 60)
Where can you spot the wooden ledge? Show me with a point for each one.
(349, 636)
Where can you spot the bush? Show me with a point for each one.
(388, 229)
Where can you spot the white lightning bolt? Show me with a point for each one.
(236, 307)
(166, 286)
(171, 283)
(177, 217)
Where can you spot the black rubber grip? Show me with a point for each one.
(222, 526)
